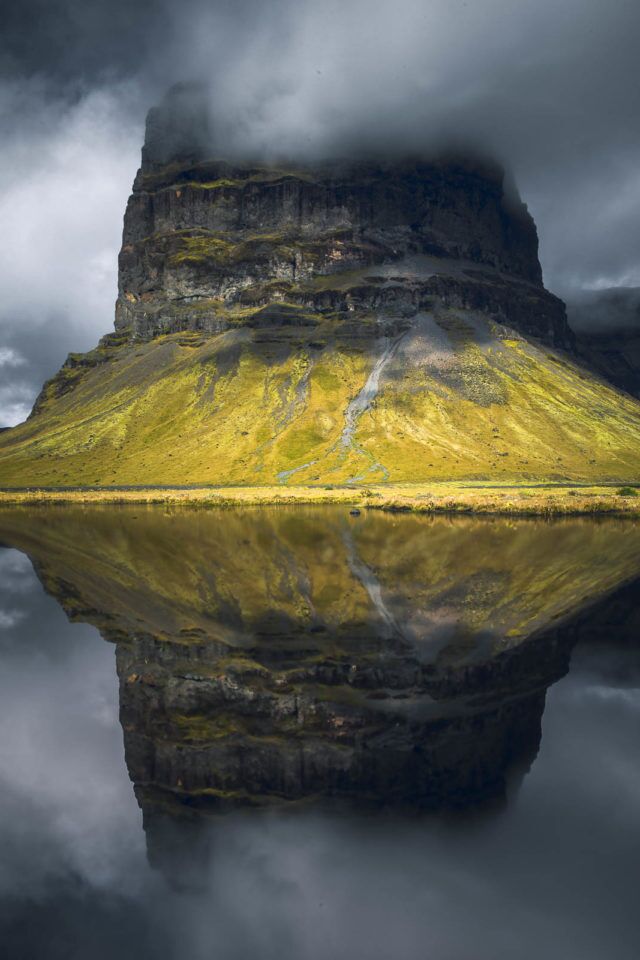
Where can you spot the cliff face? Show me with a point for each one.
(210, 244)
(340, 322)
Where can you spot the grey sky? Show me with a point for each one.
(553, 90)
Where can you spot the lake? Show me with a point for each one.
(310, 733)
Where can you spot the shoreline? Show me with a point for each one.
(551, 499)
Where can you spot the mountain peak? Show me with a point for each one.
(179, 128)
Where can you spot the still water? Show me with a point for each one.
(290, 733)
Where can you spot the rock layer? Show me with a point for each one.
(208, 243)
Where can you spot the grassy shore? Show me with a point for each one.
(481, 498)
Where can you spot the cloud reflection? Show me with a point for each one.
(553, 875)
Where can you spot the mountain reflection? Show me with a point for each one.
(282, 656)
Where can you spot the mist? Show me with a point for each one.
(550, 90)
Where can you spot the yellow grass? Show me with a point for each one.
(432, 498)
(242, 409)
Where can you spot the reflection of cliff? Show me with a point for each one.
(271, 656)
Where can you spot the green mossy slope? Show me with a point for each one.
(453, 397)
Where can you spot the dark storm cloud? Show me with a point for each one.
(71, 41)
(551, 89)
(617, 308)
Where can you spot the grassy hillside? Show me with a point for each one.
(456, 397)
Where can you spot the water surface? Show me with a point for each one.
(301, 733)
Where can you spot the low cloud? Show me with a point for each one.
(16, 396)
(16, 401)
(66, 170)
(10, 358)
(10, 618)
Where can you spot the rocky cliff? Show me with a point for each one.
(307, 323)
(211, 244)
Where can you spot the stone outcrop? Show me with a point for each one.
(209, 243)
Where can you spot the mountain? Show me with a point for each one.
(606, 324)
(321, 323)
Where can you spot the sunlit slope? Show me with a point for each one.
(453, 397)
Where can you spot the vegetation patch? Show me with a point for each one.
(248, 405)
(202, 249)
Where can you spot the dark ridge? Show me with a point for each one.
(606, 324)
(209, 242)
